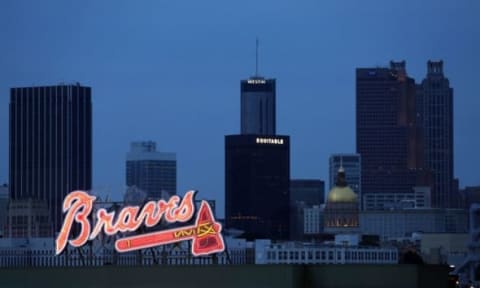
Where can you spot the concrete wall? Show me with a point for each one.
(244, 276)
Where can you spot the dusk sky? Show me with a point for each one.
(170, 71)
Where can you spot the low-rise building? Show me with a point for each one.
(40, 252)
(403, 222)
(469, 270)
(28, 218)
(4, 196)
(470, 195)
(419, 197)
(308, 253)
(312, 220)
(443, 248)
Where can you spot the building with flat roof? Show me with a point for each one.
(389, 135)
(151, 171)
(28, 218)
(304, 194)
(50, 144)
(470, 195)
(418, 197)
(441, 248)
(309, 191)
(313, 220)
(258, 106)
(257, 179)
(4, 199)
(307, 253)
(399, 223)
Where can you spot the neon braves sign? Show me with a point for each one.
(204, 234)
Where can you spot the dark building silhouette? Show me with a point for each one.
(257, 176)
(389, 137)
(436, 109)
(304, 193)
(4, 201)
(50, 144)
(258, 106)
(469, 195)
(151, 171)
(257, 165)
(309, 191)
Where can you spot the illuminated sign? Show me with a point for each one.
(256, 81)
(204, 234)
(270, 141)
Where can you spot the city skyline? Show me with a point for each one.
(304, 112)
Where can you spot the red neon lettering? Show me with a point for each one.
(79, 206)
(205, 235)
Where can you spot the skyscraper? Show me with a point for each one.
(257, 176)
(389, 137)
(50, 144)
(436, 110)
(352, 165)
(151, 171)
(258, 106)
(257, 166)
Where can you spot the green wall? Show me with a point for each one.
(244, 276)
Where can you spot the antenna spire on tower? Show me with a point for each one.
(341, 169)
(256, 57)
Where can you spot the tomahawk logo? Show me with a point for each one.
(205, 234)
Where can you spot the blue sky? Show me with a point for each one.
(169, 71)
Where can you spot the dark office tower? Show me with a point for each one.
(309, 191)
(50, 144)
(257, 175)
(436, 105)
(257, 97)
(258, 106)
(388, 137)
(151, 171)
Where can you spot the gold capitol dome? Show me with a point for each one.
(341, 192)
